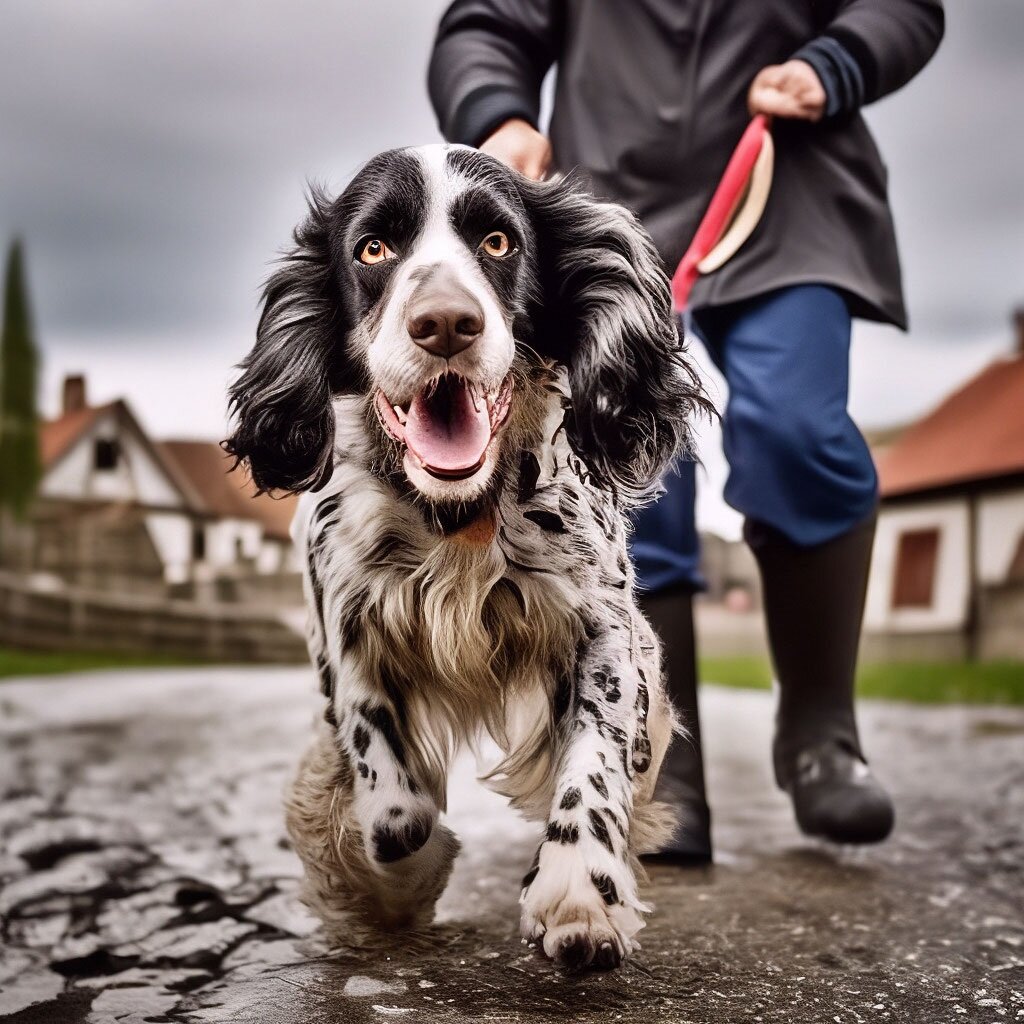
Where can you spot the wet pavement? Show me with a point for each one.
(146, 877)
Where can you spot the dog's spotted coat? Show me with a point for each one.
(500, 602)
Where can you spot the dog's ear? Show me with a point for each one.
(605, 310)
(281, 402)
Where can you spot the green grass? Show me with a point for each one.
(995, 682)
(954, 682)
(14, 662)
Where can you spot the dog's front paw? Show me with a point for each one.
(400, 833)
(396, 827)
(581, 915)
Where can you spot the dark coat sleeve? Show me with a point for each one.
(489, 60)
(890, 40)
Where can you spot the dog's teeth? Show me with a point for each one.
(399, 413)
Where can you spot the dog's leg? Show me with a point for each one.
(367, 833)
(580, 896)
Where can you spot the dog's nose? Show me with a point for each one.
(443, 317)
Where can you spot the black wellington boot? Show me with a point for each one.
(814, 604)
(681, 782)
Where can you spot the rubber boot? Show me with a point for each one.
(814, 605)
(681, 781)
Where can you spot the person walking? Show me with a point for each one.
(650, 98)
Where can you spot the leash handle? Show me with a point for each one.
(728, 195)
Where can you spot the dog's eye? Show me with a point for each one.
(496, 244)
(374, 251)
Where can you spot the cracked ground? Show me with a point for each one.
(145, 876)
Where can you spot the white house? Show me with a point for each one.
(240, 528)
(116, 509)
(948, 567)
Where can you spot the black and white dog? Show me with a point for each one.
(473, 376)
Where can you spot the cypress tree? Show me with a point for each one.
(19, 423)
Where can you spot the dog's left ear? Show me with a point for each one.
(605, 310)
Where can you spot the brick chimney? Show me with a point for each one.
(74, 393)
(1018, 329)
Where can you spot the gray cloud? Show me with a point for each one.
(955, 150)
(153, 153)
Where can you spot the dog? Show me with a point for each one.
(471, 377)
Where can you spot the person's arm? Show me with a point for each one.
(870, 49)
(489, 60)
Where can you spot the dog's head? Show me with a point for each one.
(422, 287)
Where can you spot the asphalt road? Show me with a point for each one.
(145, 877)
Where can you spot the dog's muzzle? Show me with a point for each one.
(443, 317)
(448, 427)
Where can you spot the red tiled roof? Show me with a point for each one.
(976, 434)
(228, 492)
(57, 436)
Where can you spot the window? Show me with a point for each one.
(1015, 573)
(917, 556)
(198, 543)
(105, 454)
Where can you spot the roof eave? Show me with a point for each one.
(963, 486)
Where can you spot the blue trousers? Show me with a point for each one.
(796, 460)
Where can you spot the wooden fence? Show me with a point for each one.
(79, 620)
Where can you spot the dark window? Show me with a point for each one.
(1016, 571)
(105, 454)
(198, 543)
(916, 559)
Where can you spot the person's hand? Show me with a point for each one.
(520, 146)
(792, 89)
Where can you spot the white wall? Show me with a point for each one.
(277, 556)
(229, 539)
(172, 537)
(270, 558)
(137, 476)
(950, 592)
(1000, 528)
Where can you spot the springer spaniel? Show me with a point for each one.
(472, 376)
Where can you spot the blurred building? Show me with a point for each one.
(948, 573)
(118, 510)
(730, 572)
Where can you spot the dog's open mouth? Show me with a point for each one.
(449, 425)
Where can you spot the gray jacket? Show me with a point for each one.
(651, 98)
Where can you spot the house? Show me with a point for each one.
(730, 572)
(242, 543)
(116, 509)
(947, 576)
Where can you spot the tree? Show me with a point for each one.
(19, 422)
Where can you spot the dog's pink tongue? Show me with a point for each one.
(447, 431)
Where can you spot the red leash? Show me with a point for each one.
(733, 212)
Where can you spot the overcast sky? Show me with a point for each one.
(153, 154)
